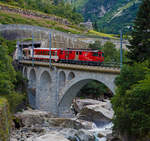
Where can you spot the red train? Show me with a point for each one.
(73, 56)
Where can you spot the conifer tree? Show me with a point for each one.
(139, 48)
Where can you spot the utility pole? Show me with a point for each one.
(18, 51)
(121, 49)
(32, 49)
(50, 49)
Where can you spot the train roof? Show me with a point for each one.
(43, 48)
(76, 49)
(47, 48)
(68, 49)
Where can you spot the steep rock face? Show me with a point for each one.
(5, 120)
(97, 8)
(109, 15)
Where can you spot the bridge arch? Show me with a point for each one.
(25, 72)
(32, 88)
(62, 79)
(32, 78)
(71, 90)
(71, 75)
(44, 92)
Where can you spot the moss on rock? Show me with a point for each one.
(5, 120)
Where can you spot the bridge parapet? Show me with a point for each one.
(103, 68)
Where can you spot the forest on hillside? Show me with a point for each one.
(55, 7)
(109, 16)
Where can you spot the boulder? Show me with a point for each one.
(84, 135)
(69, 133)
(80, 103)
(98, 113)
(70, 123)
(31, 117)
(74, 135)
(52, 136)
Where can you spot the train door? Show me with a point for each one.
(67, 55)
(77, 55)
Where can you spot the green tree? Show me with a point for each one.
(130, 102)
(139, 50)
(8, 76)
(7, 72)
(110, 52)
(95, 25)
(94, 89)
(95, 45)
(138, 105)
(56, 2)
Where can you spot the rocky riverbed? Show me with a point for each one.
(92, 123)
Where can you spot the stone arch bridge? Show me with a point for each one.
(53, 88)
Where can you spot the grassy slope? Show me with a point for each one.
(15, 18)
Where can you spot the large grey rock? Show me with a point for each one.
(70, 123)
(85, 135)
(80, 103)
(31, 117)
(53, 136)
(69, 133)
(74, 135)
(96, 113)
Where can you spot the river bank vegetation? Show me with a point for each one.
(10, 79)
(132, 100)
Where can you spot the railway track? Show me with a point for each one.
(105, 68)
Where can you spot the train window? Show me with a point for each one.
(61, 52)
(102, 54)
(80, 53)
(76, 53)
(53, 53)
(24, 52)
(95, 54)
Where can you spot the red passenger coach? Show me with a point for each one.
(74, 56)
(42, 54)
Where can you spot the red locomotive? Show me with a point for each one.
(73, 56)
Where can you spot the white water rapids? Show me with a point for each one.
(102, 129)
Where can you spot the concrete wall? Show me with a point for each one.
(59, 39)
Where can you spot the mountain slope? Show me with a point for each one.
(108, 15)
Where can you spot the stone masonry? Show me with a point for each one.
(53, 89)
